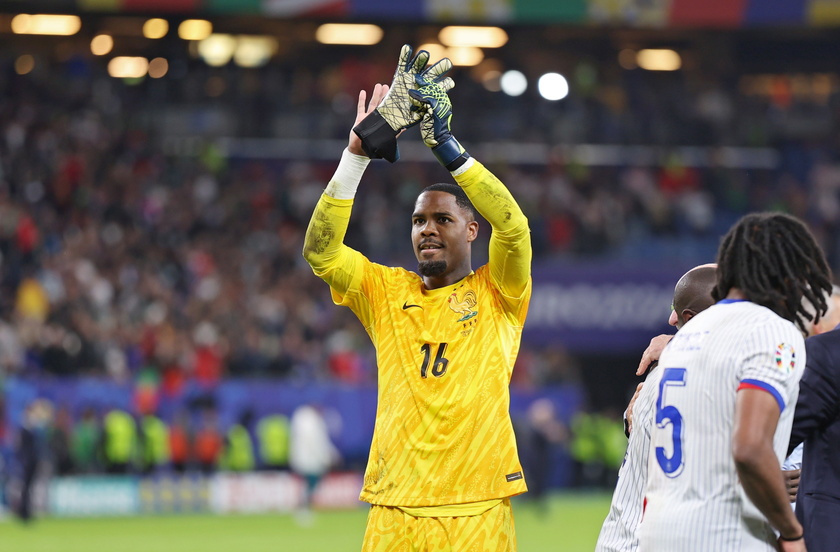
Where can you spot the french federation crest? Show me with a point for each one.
(465, 305)
(785, 358)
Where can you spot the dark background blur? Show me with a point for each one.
(151, 226)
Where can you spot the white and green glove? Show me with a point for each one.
(378, 131)
(435, 128)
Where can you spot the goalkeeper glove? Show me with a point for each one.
(378, 131)
(435, 125)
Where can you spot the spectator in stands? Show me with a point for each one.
(238, 454)
(597, 446)
(102, 224)
(85, 442)
(208, 442)
(154, 435)
(59, 438)
(180, 441)
(273, 432)
(119, 432)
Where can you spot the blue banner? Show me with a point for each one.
(603, 309)
(354, 408)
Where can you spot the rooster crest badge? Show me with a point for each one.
(464, 306)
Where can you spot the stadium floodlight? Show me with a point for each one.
(254, 51)
(155, 28)
(492, 81)
(465, 56)
(158, 67)
(436, 51)
(476, 37)
(101, 44)
(195, 29)
(659, 60)
(513, 83)
(553, 86)
(24, 64)
(126, 67)
(627, 59)
(217, 49)
(356, 34)
(40, 24)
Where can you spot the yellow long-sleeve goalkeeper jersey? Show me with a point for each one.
(443, 433)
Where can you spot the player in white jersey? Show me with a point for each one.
(724, 402)
(692, 294)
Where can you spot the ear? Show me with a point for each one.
(687, 314)
(472, 230)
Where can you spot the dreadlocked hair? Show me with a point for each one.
(776, 262)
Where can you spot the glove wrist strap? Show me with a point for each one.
(379, 140)
(450, 154)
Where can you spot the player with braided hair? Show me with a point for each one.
(724, 404)
(773, 260)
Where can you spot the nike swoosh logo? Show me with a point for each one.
(407, 306)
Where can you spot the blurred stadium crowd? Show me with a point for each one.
(126, 258)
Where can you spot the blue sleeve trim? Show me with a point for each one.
(763, 385)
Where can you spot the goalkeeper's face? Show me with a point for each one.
(442, 233)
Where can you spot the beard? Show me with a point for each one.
(431, 268)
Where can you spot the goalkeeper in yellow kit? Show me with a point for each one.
(443, 461)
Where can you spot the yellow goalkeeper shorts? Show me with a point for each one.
(391, 529)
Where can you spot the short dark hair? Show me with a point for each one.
(461, 198)
(775, 261)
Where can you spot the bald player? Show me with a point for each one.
(692, 294)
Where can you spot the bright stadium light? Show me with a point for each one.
(59, 25)
(125, 67)
(492, 81)
(513, 83)
(195, 29)
(465, 56)
(627, 59)
(658, 60)
(254, 51)
(477, 37)
(436, 51)
(24, 64)
(553, 86)
(155, 28)
(158, 67)
(349, 33)
(217, 49)
(101, 44)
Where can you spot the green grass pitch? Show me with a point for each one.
(569, 523)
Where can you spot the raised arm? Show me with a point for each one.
(323, 245)
(510, 242)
